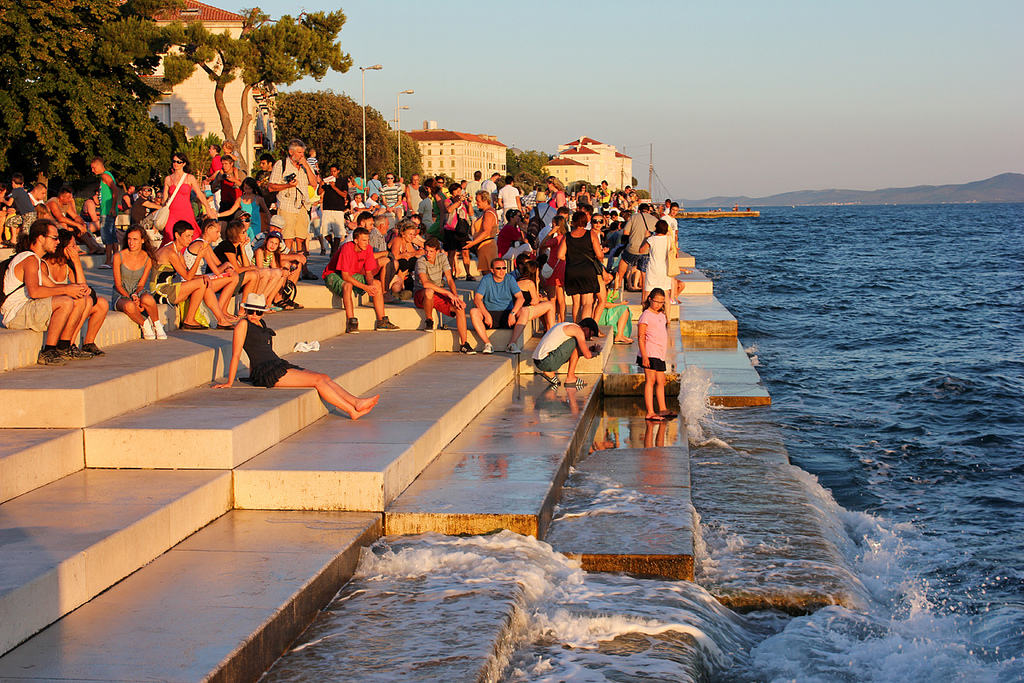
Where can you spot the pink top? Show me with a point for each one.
(655, 334)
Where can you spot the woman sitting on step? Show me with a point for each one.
(267, 369)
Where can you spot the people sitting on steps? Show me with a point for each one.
(433, 275)
(353, 267)
(30, 304)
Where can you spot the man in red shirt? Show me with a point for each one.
(353, 266)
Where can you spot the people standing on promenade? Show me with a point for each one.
(474, 185)
(491, 187)
(29, 304)
(435, 289)
(132, 266)
(267, 369)
(251, 204)
(457, 229)
(179, 187)
(554, 269)
(652, 337)
(391, 195)
(63, 267)
(657, 275)
(603, 197)
(353, 267)
(637, 229)
(509, 197)
(109, 199)
(334, 203)
(580, 252)
(556, 192)
(290, 179)
(484, 236)
(62, 210)
(412, 193)
(565, 343)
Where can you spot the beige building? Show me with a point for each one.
(458, 155)
(599, 162)
(191, 103)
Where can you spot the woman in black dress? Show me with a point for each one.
(580, 250)
(266, 369)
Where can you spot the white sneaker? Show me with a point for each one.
(159, 328)
(512, 348)
(147, 329)
(488, 348)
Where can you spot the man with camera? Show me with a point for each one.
(291, 178)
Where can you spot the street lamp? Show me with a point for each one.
(364, 69)
(398, 125)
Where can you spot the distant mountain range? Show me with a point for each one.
(1008, 187)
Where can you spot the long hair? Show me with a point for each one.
(187, 168)
(64, 238)
(653, 292)
(147, 246)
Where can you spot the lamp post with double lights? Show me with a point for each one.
(364, 69)
(398, 125)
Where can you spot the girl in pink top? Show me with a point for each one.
(652, 335)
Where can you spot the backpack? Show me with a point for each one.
(4, 266)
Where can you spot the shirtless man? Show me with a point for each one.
(63, 211)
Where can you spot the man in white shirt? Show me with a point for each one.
(508, 197)
(491, 185)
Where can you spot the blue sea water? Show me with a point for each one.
(891, 339)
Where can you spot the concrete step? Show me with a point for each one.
(19, 348)
(221, 429)
(703, 315)
(695, 282)
(135, 375)
(30, 458)
(629, 510)
(734, 381)
(68, 541)
(336, 464)
(221, 605)
(505, 470)
(439, 624)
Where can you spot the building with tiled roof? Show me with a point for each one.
(599, 162)
(458, 155)
(192, 104)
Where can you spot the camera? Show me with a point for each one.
(289, 178)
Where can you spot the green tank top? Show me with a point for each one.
(106, 193)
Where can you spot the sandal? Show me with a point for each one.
(669, 415)
(553, 381)
(576, 384)
(225, 327)
(655, 418)
(188, 326)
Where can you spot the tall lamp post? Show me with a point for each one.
(398, 125)
(364, 69)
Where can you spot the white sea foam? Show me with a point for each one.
(694, 389)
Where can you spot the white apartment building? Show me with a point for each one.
(458, 155)
(601, 162)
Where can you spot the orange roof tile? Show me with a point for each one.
(198, 11)
(585, 141)
(450, 136)
(579, 150)
(620, 155)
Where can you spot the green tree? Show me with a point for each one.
(71, 87)
(268, 53)
(530, 162)
(333, 124)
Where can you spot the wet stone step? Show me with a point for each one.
(629, 510)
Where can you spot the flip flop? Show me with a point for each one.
(225, 327)
(623, 342)
(669, 415)
(656, 418)
(187, 326)
(553, 381)
(578, 384)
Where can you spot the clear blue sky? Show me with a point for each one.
(739, 97)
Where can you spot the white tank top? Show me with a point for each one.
(555, 337)
(17, 299)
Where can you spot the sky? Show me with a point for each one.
(737, 97)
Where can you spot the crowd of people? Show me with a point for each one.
(388, 240)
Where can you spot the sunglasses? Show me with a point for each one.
(500, 268)
(255, 313)
(177, 161)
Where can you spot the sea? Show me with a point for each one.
(891, 339)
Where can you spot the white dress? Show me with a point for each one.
(657, 268)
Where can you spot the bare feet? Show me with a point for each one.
(623, 340)
(367, 403)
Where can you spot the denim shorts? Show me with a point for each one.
(109, 230)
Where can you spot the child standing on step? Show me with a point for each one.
(652, 336)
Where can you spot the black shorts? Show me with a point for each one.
(453, 241)
(655, 363)
(499, 320)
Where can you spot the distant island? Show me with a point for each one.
(1007, 187)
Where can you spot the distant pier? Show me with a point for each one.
(719, 214)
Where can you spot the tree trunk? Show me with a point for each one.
(243, 127)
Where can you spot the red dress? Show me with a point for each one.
(181, 210)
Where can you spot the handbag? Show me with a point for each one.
(164, 212)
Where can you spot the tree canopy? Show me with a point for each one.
(267, 53)
(71, 87)
(531, 162)
(333, 125)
